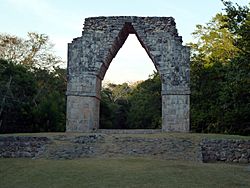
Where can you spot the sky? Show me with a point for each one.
(62, 20)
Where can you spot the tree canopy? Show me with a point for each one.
(132, 107)
(35, 51)
(32, 86)
(220, 73)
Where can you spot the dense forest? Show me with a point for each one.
(32, 84)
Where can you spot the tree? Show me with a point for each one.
(145, 104)
(220, 86)
(237, 22)
(132, 107)
(32, 101)
(49, 101)
(114, 106)
(17, 88)
(32, 86)
(36, 51)
(214, 42)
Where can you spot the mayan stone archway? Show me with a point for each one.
(90, 55)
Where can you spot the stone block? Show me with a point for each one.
(84, 117)
(175, 113)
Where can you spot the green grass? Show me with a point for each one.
(120, 172)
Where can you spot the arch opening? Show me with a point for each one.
(127, 78)
(131, 63)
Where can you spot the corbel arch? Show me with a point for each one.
(90, 55)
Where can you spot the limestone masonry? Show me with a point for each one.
(90, 55)
(72, 146)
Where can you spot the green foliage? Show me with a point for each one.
(31, 101)
(114, 106)
(32, 87)
(50, 100)
(145, 104)
(17, 88)
(236, 17)
(132, 107)
(49, 115)
(214, 42)
(238, 22)
(220, 99)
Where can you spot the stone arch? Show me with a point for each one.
(90, 55)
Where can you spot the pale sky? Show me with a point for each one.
(62, 20)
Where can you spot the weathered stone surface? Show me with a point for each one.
(88, 139)
(90, 55)
(175, 113)
(82, 114)
(22, 146)
(226, 150)
(71, 146)
(101, 145)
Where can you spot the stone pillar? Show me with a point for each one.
(83, 103)
(175, 112)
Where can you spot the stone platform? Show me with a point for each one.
(166, 146)
(129, 131)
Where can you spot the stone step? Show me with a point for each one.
(129, 131)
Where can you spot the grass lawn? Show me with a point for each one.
(120, 172)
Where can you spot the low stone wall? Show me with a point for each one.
(226, 151)
(119, 145)
(128, 131)
(22, 146)
(99, 145)
(70, 146)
